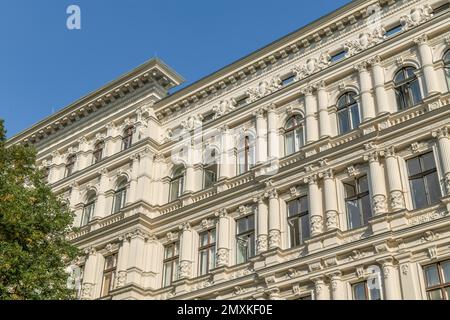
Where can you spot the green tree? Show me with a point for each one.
(34, 251)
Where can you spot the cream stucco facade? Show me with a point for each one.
(329, 179)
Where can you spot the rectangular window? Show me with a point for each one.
(209, 176)
(207, 251)
(245, 238)
(357, 202)
(338, 56)
(170, 263)
(393, 30)
(423, 180)
(298, 221)
(109, 274)
(437, 280)
(241, 101)
(289, 78)
(362, 291)
(441, 9)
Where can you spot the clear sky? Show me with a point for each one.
(45, 67)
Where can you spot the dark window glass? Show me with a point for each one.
(294, 134)
(423, 180)
(357, 202)
(437, 280)
(98, 152)
(338, 56)
(170, 263)
(245, 239)
(207, 251)
(407, 89)
(246, 154)
(394, 30)
(70, 164)
(109, 274)
(210, 169)
(447, 68)
(298, 221)
(288, 79)
(348, 112)
(176, 184)
(362, 291)
(120, 196)
(127, 138)
(88, 209)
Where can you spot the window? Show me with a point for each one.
(447, 68)
(46, 174)
(357, 202)
(362, 291)
(298, 221)
(88, 209)
(423, 180)
(109, 274)
(127, 138)
(437, 280)
(245, 238)
(208, 117)
(241, 101)
(98, 152)
(78, 275)
(407, 89)
(287, 79)
(70, 164)
(210, 168)
(441, 9)
(120, 196)
(347, 112)
(176, 183)
(338, 56)
(246, 154)
(207, 251)
(294, 137)
(393, 30)
(170, 264)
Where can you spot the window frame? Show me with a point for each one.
(347, 109)
(248, 234)
(298, 216)
(127, 138)
(112, 271)
(247, 148)
(294, 130)
(403, 88)
(206, 248)
(97, 153)
(70, 165)
(368, 296)
(442, 286)
(358, 196)
(90, 203)
(122, 187)
(173, 260)
(178, 176)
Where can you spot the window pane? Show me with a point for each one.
(375, 294)
(363, 184)
(418, 193)
(203, 239)
(212, 258)
(434, 191)
(251, 245)
(399, 95)
(413, 166)
(350, 190)
(435, 295)
(366, 208)
(299, 139)
(359, 291)
(175, 270)
(305, 231)
(203, 262)
(428, 162)
(353, 213)
(251, 222)
(167, 273)
(303, 202)
(290, 146)
(415, 92)
(174, 190)
(432, 276)
(294, 232)
(241, 225)
(343, 121)
(354, 114)
(241, 251)
(292, 208)
(107, 279)
(446, 271)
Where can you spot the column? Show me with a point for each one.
(274, 219)
(100, 208)
(83, 155)
(144, 177)
(377, 184)
(321, 290)
(365, 84)
(110, 145)
(136, 255)
(391, 279)
(338, 291)
(90, 269)
(312, 132)
(261, 134)
(396, 196)
(426, 58)
(331, 212)
(225, 159)
(443, 138)
(324, 116)
(56, 170)
(74, 195)
(315, 205)
(122, 260)
(273, 138)
(134, 176)
(186, 258)
(380, 90)
(223, 241)
(262, 224)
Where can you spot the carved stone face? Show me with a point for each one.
(311, 65)
(262, 87)
(416, 15)
(364, 40)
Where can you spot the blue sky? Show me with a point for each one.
(44, 66)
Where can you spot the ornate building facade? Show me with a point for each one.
(317, 167)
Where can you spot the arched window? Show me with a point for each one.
(348, 112)
(120, 195)
(98, 152)
(70, 164)
(88, 209)
(407, 89)
(210, 168)
(176, 183)
(246, 154)
(294, 137)
(127, 138)
(447, 68)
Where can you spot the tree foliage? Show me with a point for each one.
(34, 251)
